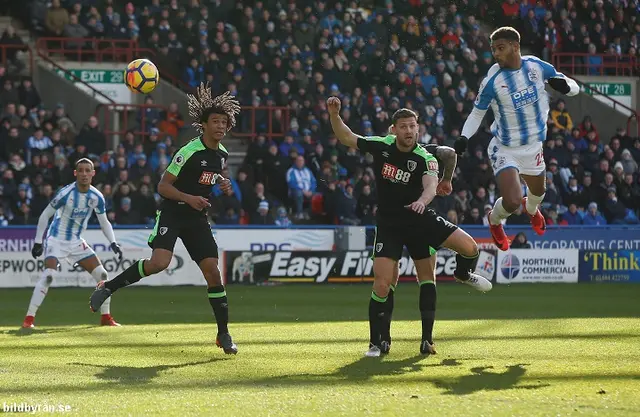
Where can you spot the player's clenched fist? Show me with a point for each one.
(333, 106)
(226, 186)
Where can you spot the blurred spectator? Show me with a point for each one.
(593, 217)
(521, 242)
(302, 185)
(561, 117)
(262, 215)
(282, 219)
(171, 121)
(572, 216)
(57, 19)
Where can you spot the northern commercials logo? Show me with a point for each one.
(510, 266)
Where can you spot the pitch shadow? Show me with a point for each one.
(481, 379)
(21, 332)
(133, 375)
(366, 368)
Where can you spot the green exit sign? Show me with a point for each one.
(610, 89)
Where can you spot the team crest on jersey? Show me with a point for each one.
(533, 76)
(379, 247)
(412, 165)
(501, 161)
(92, 203)
(163, 231)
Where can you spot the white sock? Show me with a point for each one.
(533, 201)
(498, 213)
(99, 274)
(40, 291)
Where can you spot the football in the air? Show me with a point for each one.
(141, 76)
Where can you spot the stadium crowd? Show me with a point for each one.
(377, 56)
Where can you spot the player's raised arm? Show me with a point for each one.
(342, 131)
(557, 80)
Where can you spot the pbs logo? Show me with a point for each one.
(510, 266)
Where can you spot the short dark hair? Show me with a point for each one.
(84, 161)
(403, 113)
(507, 33)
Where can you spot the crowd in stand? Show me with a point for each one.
(377, 56)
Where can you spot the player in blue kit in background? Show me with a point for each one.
(515, 90)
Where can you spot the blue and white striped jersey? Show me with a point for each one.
(519, 101)
(73, 210)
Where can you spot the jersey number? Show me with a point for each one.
(539, 158)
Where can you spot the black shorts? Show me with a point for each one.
(194, 231)
(422, 235)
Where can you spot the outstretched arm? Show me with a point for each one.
(342, 131)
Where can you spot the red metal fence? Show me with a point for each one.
(596, 64)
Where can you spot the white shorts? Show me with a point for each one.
(527, 159)
(72, 251)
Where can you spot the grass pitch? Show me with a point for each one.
(522, 350)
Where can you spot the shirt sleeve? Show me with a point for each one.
(431, 167)
(486, 94)
(100, 209)
(431, 148)
(59, 199)
(369, 143)
(177, 163)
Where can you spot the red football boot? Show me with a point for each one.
(538, 223)
(108, 320)
(499, 236)
(28, 322)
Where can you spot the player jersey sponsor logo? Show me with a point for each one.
(524, 97)
(432, 166)
(208, 178)
(395, 174)
(412, 165)
(79, 213)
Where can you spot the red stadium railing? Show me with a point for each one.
(262, 115)
(598, 64)
(89, 49)
(124, 112)
(100, 50)
(4, 50)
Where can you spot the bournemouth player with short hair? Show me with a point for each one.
(407, 179)
(185, 187)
